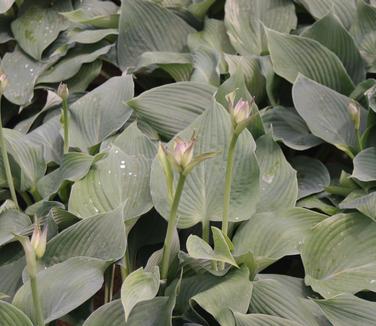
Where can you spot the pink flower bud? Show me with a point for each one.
(242, 111)
(183, 151)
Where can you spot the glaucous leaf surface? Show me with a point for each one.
(245, 21)
(347, 309)
(330, 32)
(364, 165)
(287, 126)
(278, 181)
(272, 297)
(171, 108)
(145, 26)
(121, 180)
(139, 286)
(292, 54)
(334, 263)
(62, 287)
(202, 199)
(100, 113)
(326, 112)
(11, 316)
(38, 24)
(102, 236)
(313, 176)
(270, 236)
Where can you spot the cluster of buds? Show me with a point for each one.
(180, 158)
(240, 112)
(3, 82)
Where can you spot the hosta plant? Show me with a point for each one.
(187, 162)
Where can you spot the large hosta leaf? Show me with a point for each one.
(202, 198)
(178, 65)
(139, 286)
(293, 54)
(22, 73)
(12, 222)
(278, 182)
(338, 256)
(245, 20)
(287, 126)
(363, 29)
(49, 138)
(213, 36)
(100, 113)
(12, 316)
(364, 165)
(326, 113)
(347, 309)
(11, 271)
(73, 61)
(29, 158)
(119, 180)
(272, 297)
(273, 235)
(216, 295)
(344, 9)
(75, 165)
(145, 26)
(313, 176)
(331, 33)
(171, 108)
(62, 287)
(363, 202)
(38, 25)
(262, 320)
(251, 68)
(153, 312)
(102, 236)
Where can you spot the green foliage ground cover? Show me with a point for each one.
(299, 247)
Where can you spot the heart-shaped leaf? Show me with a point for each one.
(334, 263)
(62, 287)
(139, 286)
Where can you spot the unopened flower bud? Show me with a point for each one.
(242, 111)
(3, 82)
(183, 151)
(164, 160)
(39, 240)
(354, 111)
(63, 91)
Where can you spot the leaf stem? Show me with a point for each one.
(125, 271)
(171, 226)
(36, 300)
(66, 125)
(228, 181)
(109, 284)
(206, 230)
(4, 154)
